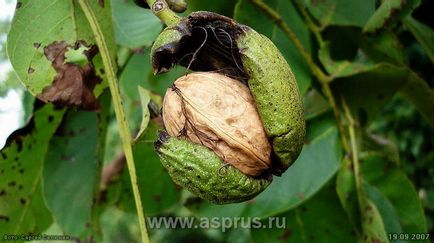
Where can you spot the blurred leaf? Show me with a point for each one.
(421, 95)
(385, 208)
(314, 104)
(70, 172)
(341, 12)
(381, 146)
(423, 34)
(145, 98)
(340, 68)
(119, 226)
(261, 23)
(368, 91)
(386, 177)
(134, 26)
(224, 7)
(320, 219)
(22, 207)
(372, 222)
(157, 190)
(345, 188)
(388, 13)
(383, 47)
(37, 24)
(138, 72)
(11, 82)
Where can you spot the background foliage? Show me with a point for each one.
(366, 169)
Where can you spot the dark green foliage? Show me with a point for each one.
(366, 168)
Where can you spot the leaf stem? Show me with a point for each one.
(161, 9)
(354, 151)
(120, 114)
(310, 23)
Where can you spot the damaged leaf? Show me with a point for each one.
(22, 207)
(72, 154)
(389, 12)
(42, 34)
(73, 83)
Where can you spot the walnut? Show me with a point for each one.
(218, 112)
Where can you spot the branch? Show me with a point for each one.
(120, 114)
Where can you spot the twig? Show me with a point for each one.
(161, 9)
(310, 23)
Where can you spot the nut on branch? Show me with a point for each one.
(242, 108)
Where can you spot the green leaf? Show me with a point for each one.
(314, 104)
(368, 91)
(388, 13)
(41, 31)
(386, 177)
(372, 222)
(157, 190)
(385, 208)
(345, 188)
(320, 219)
(145, 98)
(261, 23)
(420, 94)
(70, 172)
(341, 12)
(138, 72)
(119, 226)
(224, 7)
(340, 68)
(423, 33)
(22, 207)
(134, 26)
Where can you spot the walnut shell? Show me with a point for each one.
(220, 113)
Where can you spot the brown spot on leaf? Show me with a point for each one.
(300, 195)
(19, 4)
(101, 3)
(12, 183)
(73, 83)
(22, 201)
(2, 193)
(30, 70)
(5, 218)
(285, 235)
(36, 45)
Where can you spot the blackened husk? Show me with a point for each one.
(208, 43)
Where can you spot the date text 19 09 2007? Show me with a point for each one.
(408, 236)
